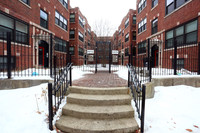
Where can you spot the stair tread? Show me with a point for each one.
(99, 109)
(91, 125)
(98, 97)
(99, 88)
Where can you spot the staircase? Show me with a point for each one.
(98, 110)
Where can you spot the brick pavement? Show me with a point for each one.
(100, 79)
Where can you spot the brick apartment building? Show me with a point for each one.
(127, 37)
(31, 23)
(81, 38)
(165, 22)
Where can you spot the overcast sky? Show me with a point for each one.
(111, 11)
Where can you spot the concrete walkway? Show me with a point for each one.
(100, 79)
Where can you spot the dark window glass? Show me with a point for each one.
(127, 52)
(127, 23)
(71, 50)
(171, 5)
(134, 35)
(127, 37)
(154, 2)
(64, 3)
(72, 34)
(80, 36)
(154, 26)
(61, 21)
(142, 47)
(26, 2)
(142, 4)
(80, 51)
(134, 19)
(43, 19)
(60, 45)
(72, 17)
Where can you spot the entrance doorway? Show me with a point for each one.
(43, 54)
(154, 55)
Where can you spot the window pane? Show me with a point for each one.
(61, 18)
(191, 26)
(169, 2)
(179, 31)
(65, 22)
(6, 21)
(179, 2)
(191, 37)
(170, 8)
(43, 15)
(169, 43)
(179, 40)
(169, 34)
(21, 27)
(57, 15)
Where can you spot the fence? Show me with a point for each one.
(138, 93)
(20, 58)
(57, 91)
(157, 59)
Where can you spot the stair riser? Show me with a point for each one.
(73, 130)
(98, 102)
(85, 115)
(99, 92)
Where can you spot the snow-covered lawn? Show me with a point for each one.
(174, 109)
(25, 110)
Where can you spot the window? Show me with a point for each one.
(119, 43)
(89, 31)
(80, 36)
(134, 35)
(184, 35)
(134, 19)
(60, 20)
(134, 51)
(80, 51)
(127, 23)
(3, 62)
(142, 25)
(171, 5)
(19, 32)
(81, 21)
(142, 47)
(71, 50)
(26, 2)
(72, 17)
(127, 52)
(142, 4)
(60, 45)
(89, 43)
(43, 19)
(154, 26)
(127, 37)
(120, 31)
(64, 3)
(154, 3)
(72, 34)
(179, 64)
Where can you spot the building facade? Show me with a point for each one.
(80, 37)
(166, 22)
(127, 37)
(32, 24)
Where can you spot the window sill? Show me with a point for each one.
(142, 54)
(154, 7)
(60, 52)
(15, 43)
(142, 9)
(178, 8)
(141, 32)
(61, 28)
(186, 46)
(72, 39)
(25, 4)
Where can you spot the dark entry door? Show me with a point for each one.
(43, 54)
(154, 55)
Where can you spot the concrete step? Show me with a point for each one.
(98, 112)
(76, 125)
(99, 91)
(99, 100)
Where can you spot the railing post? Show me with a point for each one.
(54, 64)
(110, 58)
(70, 70)
(143, 108)
(149, 61)
(199, 58)
(9, 54)
(50, 106)
(96, 58)
(128, 76)
(175, 56)
(51, 54)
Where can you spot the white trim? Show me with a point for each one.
(62, 28)
(141, 54)
(157, 33)
(142, 32)
(15, 43)
(40, 27)
(187, 46)
(60, 52)
(177, 8)
(24, 4)
(154, 7)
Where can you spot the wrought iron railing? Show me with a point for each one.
(138, 93)
(57, 91)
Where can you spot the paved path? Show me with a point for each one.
(100, 79)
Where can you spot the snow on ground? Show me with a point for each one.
(174, 109)
(25, 110)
